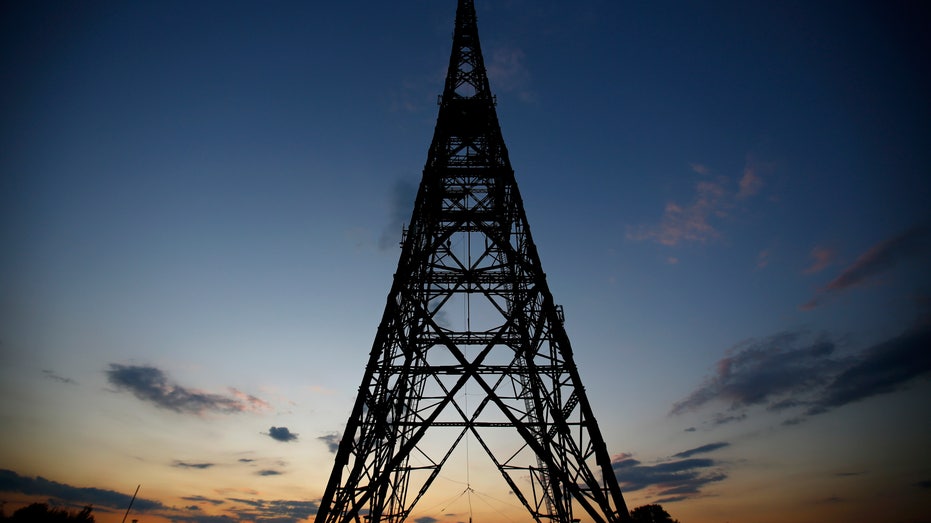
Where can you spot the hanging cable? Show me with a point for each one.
(469, 286)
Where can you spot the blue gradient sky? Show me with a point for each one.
(200, 206)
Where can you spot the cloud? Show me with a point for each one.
(412, 95)
(721, 419)
(750, 183)
(269, 472)
(426, 519)
(331, 440)
(318, 389)
(273, 510)
(701, 450)
(671, 479)
(878, 259)
(400, 204)
(152, 385)
(691, 223)
(764, 371)
(788, 372)
(881, 369)
(259, 510)
(712, 202)
(52, 376)
(12, 482)
(281, 434)
(185, 465)
(762, 259)
(822, 258)
(508, 73)
(202, 499)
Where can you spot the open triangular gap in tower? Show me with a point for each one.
(505, 377)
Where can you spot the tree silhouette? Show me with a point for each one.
(651, 514)
(41, 513)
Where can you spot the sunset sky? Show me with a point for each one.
(201, 203)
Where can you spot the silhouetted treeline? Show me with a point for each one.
(651, 514)
(42, 513)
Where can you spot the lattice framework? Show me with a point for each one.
(469, 251)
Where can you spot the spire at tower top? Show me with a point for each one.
(467, 77)
(467, 132)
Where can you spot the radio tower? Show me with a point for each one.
(471, 343)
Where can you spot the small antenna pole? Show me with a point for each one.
(131, 503)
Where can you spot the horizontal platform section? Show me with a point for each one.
(456, 370)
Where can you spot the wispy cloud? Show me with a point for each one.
(278, 510)
(877, 260)
(672, 479)
(60, 379)
(414, 95)
(508, 72)
(723, 419)
(750, 182)
(331, 440)
(790, 372)
(762, 259)
(12, 482)
(258, 510)
(269, 472)
(712, 202)
(186, 465)
(880, 369)
(281, 434)
(319, 389)
(710, 447)
(822, 258)
(400, 203)
(764, 371)
(202, 499)
(848, 474)
(689, 223)
(152, 385)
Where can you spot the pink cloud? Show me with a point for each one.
(319, 389)
(751, 182)
(689, 223)
(713, 200)
(507, 71)
(822, 258)
(248, 402)
(762, 259)
(878, 259)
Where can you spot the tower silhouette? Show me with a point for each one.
(471, 343)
